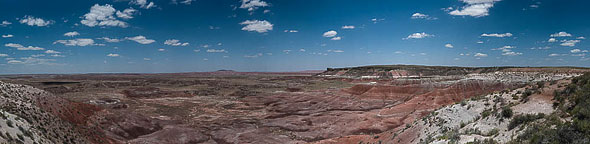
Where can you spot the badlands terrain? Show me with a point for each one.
(371, 104)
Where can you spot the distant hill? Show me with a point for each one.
(390, 71)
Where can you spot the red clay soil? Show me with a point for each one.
(76, 113)
(416, 106)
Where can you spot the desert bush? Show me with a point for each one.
(507, 112)
(523, 119)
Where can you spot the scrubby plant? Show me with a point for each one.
(523, 119)
(507, 112)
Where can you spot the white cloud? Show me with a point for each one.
(252, 5)
(33, 61)
(479, 42)
(253, 56)
(21, 47)
(581, 37)
(480, 55)
(126, 14)
(330, 33)
(511, 53)
(552, 55)
(575, 51)
(141, 39)
(197, 50)
(449, 45)
(348, 27)
(291, 31)
(302, 50)
(71, 34)
(505, 48)
(3, 55)
(102, 16)
(161, 50)
(552, 40)
(216, 51)
(569, 43)
(37, 55)
(5, 23)
(113, 55)
(33, 21)
(143, 4)
(336, 38)
(14, 62)
(474, 8)
(76, 42)
(175, 42)
(418, 36)
(111, 40)
(7, 36)
(256, 25)
(57, 55)
(497, 35)
(51, 52)
(561, 34)
(335, 51)
(13, 45)
(422, 16)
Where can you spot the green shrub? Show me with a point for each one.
(506, 112)
(523, 119)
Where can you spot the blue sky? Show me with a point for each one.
(278, 35)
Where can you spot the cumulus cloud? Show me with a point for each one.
(216, 51)
(561, 34)
(52, 52)
(21, 47)
(126, 14)
(330, 33)
(33, 21)
(418, 35)
(5, 23)
(102, 16)
(497, 35)
(141, 39)
(422, 16)
(511, 53)
(474, 8)
(569, 43)
(143, 4)
(581, 38)
(252, 5)
(449, 45)
(76, 42)
(113, 55)
(336, 38)
(175, 42)
(348, 27)
(480, 55)
(575, 51)
(256, 25)
(111, 40)
(552, 40)
(7, 36)
(71, 34)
